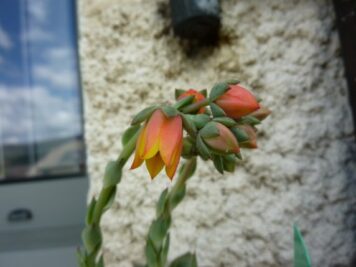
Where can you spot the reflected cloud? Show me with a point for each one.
(36, 34)
(37, 21)
(52, 116)
(38, 10)
(60, 53)
(5, 41)
(40, 106)
(61, 78)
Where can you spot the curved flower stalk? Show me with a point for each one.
(213, 127)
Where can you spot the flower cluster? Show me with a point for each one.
(213, 126)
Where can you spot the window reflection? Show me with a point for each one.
(40, 103)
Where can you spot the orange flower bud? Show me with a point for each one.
(197, 97)
(237, 102)
(160, 144)
(225, 142)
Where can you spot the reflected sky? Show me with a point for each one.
(40, 103)
(39, 88)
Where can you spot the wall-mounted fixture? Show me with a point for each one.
(196, 19)
(346, 22)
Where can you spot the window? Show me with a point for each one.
(41, 131)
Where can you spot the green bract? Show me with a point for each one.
(200, 120)
(184, 101)
(240, 134)
(216, 110)
(218, 90)
(143, 115)
(228, 122)
(250, 120)
(209, 130)
(129, 133)
(189, 125)
(169, 111)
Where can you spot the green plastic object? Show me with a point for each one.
(301, 254)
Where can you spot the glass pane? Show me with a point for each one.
(41, 131)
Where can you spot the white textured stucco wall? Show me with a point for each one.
(305, 169)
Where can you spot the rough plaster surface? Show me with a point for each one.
(305, 169)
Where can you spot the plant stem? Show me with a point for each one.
(196, 106)
(187, 171)
(91, 234)
(105, 192)
(157, 245)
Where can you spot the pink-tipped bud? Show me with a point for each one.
(225, 142)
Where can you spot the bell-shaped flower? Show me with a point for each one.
(237, 102)
(160, 144)
(224, 141)
(197, 97)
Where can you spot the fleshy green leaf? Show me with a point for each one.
(229, 162)
(100, 262)
(189, 125)
(250, 120)
(200, 120)
(129, 133)
(110, 197)
(143, 115)
(217, 111)
(195, 106)
(113, 173)
(186, 260)
(209, 130)
(228, 122)
(151, 254)
(301, 255)
(232, 82)
(218, 163)
(229, 166)
(188, 147)
(204, 92)
(239, 155)
(90, 211)
(80, 258)
(178, 92)
(158, 230)
(189, 171)
(218, 90)
(240, 134)
(176, 197)
(161, 202)
(164, 251)
(169, 111)
(91, 237)
(202, 148)
(183, 102)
